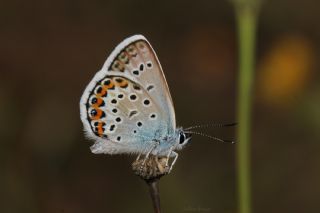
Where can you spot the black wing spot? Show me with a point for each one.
(135, 72)
(132, 113)
(119, 80)
(136, 87)
(114, 101)
(114, 110)
(94, 100)
(153, 115)
(146, 102)
(118, 138)
(112, 127)
(149, 64)
(150, 87)
(107, 82)
(99, 90)
(120, 96)
(93, 112)
(133, 97)
(103, 114)
(118, 119)
(141, 67)
(139, 124)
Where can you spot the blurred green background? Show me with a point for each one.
(50, 50)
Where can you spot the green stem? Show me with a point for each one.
(246, 13)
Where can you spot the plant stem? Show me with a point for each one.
(154, 194)
(151, 170)
(246, 16)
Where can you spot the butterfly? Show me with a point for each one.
(127, 106)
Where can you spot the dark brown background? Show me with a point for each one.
(50, 50)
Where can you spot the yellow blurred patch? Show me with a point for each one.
(285, 70)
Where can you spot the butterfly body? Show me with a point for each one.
(127, 106)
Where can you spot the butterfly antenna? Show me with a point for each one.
(211, 125)
(212, 137)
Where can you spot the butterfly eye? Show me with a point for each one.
(182, 137)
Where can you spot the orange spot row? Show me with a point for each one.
(118, 66)
(123, 83)
(103, 92)
(100, 129)
(98, 103)
(111, 85)
(98, 114)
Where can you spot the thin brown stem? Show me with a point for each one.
(154, 194)
(151, 170)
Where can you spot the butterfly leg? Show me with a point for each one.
(171, 153)
(168, 156)
(174, 160)
(154, 145)
(138, 157)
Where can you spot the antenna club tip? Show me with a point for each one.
(229, 141)
(232, 124)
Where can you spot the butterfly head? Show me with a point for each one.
(182, 138)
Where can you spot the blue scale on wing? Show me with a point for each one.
(131, 115)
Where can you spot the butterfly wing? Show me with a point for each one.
(128, 103)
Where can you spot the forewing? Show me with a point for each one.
(135, 58)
